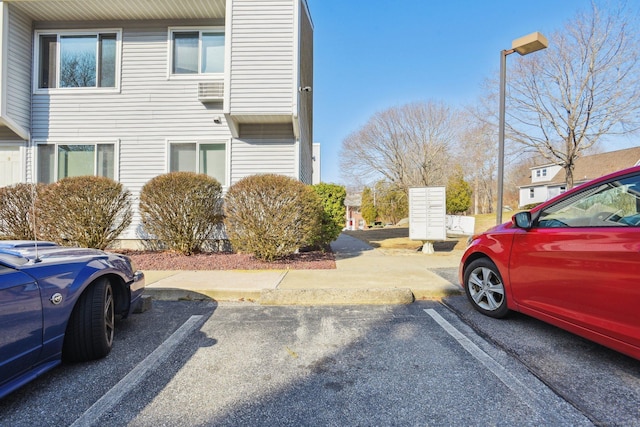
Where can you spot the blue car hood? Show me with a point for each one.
(46, 252)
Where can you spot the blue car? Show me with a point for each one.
(59, 303)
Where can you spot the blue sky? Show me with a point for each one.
(371, 55)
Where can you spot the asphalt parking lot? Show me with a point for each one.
(203, 363)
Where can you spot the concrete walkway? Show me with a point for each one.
(363, 275)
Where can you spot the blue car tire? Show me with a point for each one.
(90, 331)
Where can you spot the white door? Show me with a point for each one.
(10, 170)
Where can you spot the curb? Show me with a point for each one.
(295, 296)
(371, 296)
(336, 297)
(175, 294)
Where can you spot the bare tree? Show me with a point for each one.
(78, 70)
(584, 87)
(404, 146)
(478, 158)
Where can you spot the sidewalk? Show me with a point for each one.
(363, 275)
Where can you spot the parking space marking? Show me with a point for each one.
(525, 393)
(137, 374)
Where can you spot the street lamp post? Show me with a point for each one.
(524, 46)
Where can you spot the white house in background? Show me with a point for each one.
(549, 180)
(134, 89)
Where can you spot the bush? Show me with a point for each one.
(333, 218)
(271, 216)
(367, 206)
(86, 211)
(16, 211)
(458, 194)
(181, 209)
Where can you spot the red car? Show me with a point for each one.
(573, 261)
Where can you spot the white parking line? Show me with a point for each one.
(133, 378)
(525, 393)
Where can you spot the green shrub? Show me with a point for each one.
(181, 209)
(333, 218)
(367, 207)
(458, 194)
(16, 211)
(86, 211)
(271, 216)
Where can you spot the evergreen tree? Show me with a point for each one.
(458, 194)
(367, 207)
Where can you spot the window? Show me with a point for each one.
(544, 172)
(615, 203)
(538, 173)
(57, 161)
(78, 60)
(206, 158)
(532, 193)
(197, 51)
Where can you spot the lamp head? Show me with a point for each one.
(530, 43)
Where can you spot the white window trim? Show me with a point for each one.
(198, 76)
(116, 153)
(74, 90)
(198, 142)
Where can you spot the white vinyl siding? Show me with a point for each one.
(262, 57)
(252, 157)
(18, 77)
(148, 110)
(151, 107)
(305, 99)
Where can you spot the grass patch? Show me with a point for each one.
(396, 243)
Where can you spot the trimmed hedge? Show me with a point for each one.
(181, 210)
(85, 211)
(17, 211)
(272, 216)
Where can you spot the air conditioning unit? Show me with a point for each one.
(210, 91)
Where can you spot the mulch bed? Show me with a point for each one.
(158, 260)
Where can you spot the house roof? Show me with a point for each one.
(93, 10)
(594, 166)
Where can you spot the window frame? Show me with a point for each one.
(97, 32)
(198, 143)
(199, 75)
(116, 157)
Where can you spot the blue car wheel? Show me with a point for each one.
(90, 330)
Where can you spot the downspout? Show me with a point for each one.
(295, 101)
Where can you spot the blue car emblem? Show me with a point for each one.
(56, 298)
